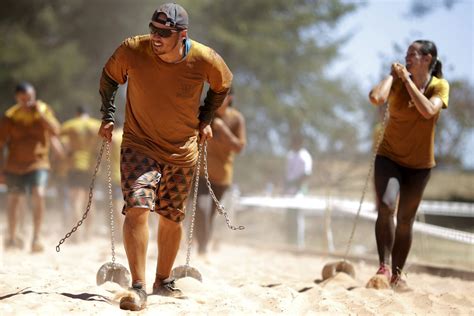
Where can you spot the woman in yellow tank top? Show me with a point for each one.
(415, 93)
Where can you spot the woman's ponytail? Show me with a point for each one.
(437, 70)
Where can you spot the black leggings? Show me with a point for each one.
(205, 217)
(396, 184)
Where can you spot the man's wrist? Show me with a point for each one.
(206, 117)
(108, 117)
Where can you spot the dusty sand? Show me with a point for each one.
(238, 280)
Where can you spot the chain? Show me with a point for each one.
(195, 197)
(367, 179)
(89, 202)
(111, 204)
(220, 207)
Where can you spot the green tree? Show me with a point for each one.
(32, 48)
(455, 124)
(279, 51)
(61, 46)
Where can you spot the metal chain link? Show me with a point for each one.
(366, 185)
(89, 202)
(193, 213)
(111, 204)
(220, 207)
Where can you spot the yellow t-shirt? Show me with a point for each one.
(161, 115)
(409, 137)
(221, 158)
(80, 137)
(27, 138)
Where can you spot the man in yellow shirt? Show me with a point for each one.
(229, 138)
(79, 136)
(26, 129)
(165, 73)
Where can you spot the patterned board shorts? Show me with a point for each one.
(159, 187)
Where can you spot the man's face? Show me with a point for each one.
(26, 98)
(161, 44)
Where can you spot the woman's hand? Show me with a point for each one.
(400, 71)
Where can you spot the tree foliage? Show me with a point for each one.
(455, 124)
(279, 51)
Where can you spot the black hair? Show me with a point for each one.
(429, 48)
(81, 109)
(23, 87)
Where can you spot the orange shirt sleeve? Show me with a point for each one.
(220, 81)
(118, 64)
(219, 75)
(114, 73)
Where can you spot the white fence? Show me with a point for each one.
(318, 205)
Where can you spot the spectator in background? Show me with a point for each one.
(229, 139)
(26, 130)
(79, 136)
(299, 166)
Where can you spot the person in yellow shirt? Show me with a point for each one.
(416, 93)
(26, 130)
(165, 73)
(79, 136)
(229, 138)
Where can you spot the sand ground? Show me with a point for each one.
(238, 280)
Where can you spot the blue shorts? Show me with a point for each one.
(22, 183)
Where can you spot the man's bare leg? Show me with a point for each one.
(118, 218)
(135, 237)
(37, 196)
(169, 238)
(13, 201)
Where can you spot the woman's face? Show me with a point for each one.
(415, 60)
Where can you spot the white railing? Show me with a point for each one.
(317, 205)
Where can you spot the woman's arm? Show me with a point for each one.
(379, 94)
(427, 107)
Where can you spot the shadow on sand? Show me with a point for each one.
(80, 296)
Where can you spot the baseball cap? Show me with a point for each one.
(176, 16)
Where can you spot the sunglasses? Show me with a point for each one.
(160, 31)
